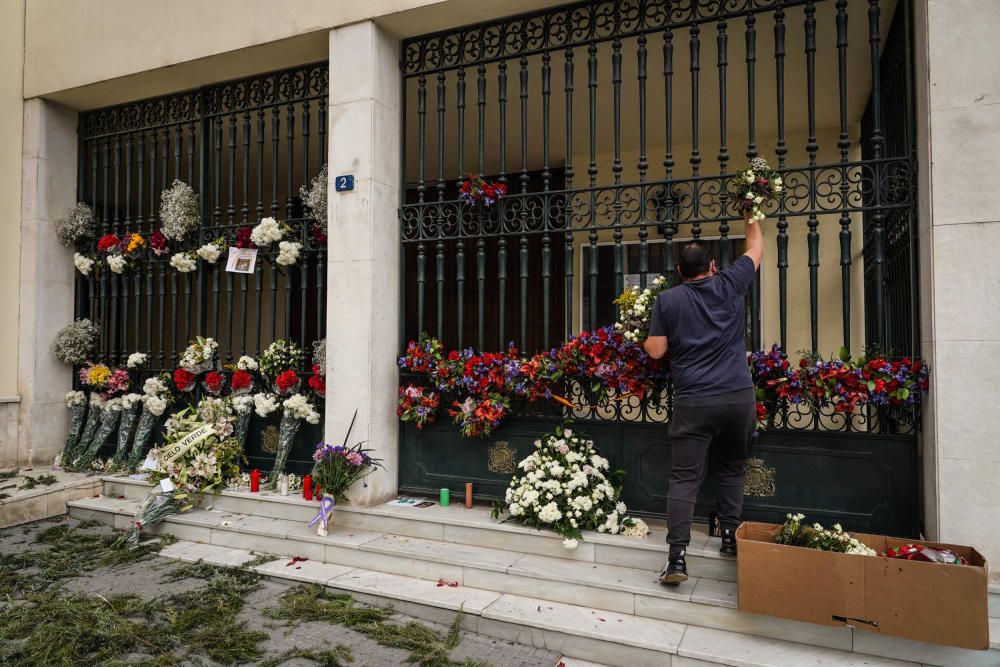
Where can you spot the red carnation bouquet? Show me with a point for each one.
(287, 383)
(241, 383)
(214, 382)
(184, 379)
(243, 238)
(108, 242)
(318, 382)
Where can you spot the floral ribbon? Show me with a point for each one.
(325, 511)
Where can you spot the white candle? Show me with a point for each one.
(284, 485)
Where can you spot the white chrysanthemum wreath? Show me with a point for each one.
(567, 486)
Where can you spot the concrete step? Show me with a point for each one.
(43, 501)
(702, 601)
(579, 632)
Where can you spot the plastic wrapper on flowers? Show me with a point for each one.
(156, 508)
(89, 428)
(77, 403)
(243, 406)
(110, 415)
(131, 407)
(143, 436)
(287, 431)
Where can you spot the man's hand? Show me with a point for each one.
(656, 346)
(754, 240)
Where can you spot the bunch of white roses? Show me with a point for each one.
(564, 485)
(636, 308)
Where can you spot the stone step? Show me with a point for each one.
(473, 527)
(612, 588)
(579, 632)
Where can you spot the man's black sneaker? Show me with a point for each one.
(675, 571)
(728, 547)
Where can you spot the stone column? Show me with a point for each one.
(363, 274)
(958, 105)
(48, 189)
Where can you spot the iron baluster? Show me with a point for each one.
(844, 144)
(290, 161)
(245, 208)
(876, 140)
(230, 208)
(751, 59)
(459, 245)
(260, 164)
(722, 47)
(523, 250)
(668, 156)
(616, 166)
(592, 173)
(481, 282)
(321, 132)
(546, 211)
(568, 179)
(217, 170)
(643, 164)
(115, 201)
(781, 151)
(440, 206)
(275, 129)
(178, 141)
(192, 131)
(811, 148)
(175, 321)
(305, 152)
(421, 188)
(502, 178)
(695, 47)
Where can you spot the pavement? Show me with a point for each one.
(147, 579)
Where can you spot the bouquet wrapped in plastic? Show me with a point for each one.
(295, 410)
(154, 509)
(76, 401)
(111, 412)
(130, 412)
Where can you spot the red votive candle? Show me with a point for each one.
(317, 492)
(468, 495)
(254, 481)
(307, 487)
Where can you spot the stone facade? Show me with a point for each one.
(958, 85)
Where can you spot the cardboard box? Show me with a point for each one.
(928, 602)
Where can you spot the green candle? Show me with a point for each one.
(445, 497)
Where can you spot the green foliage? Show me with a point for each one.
(426, 646)
(32, 482)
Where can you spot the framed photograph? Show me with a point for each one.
(241, 260)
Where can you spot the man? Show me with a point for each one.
(702, 324)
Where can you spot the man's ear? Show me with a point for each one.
(713, 268)
(680, 274)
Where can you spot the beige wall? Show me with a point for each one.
(959, 235)
(11, 126)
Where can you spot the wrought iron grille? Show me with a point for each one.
(621, 122)
(245, 147)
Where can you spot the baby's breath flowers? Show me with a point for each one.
(178, 211)
(76, 226)
(75, 342)
(314, 197)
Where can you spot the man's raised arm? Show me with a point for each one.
(754, 240)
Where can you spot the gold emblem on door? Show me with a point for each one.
(759, 479)
(502, 458)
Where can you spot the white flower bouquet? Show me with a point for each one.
(76, 401)
(635, 308)
(202, 467)
(111, 413)
(294, 410)
(754, 186)
(184, 262)
(83, 263)
(199, 356)
(795, 534)
(567, 486)
(130, 411)
(210, 252)
(267, 231)
(156, 396)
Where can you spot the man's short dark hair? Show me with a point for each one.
(695, 259)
